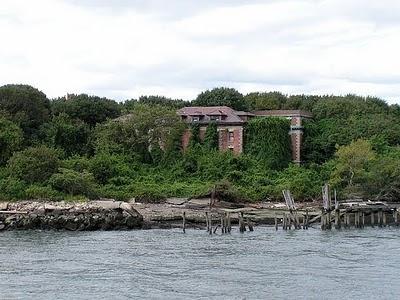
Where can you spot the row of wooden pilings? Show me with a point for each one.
(358, 218)
(292, 218)
(225, 224)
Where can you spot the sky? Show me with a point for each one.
(122, 49)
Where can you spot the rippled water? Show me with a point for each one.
(167, 264)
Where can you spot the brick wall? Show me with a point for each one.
(186, 139)
(224, 143)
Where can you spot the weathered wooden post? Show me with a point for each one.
(222, 225)
(210, 222)
(184, 222)
(337, 218)
(357, 219)
(379, 218)
(284, 223)
(363, 220)
(346, 219)
(229, 222)
(384, 218)
(395, 217)
(276, 222)
(372, 218)
(207, 222)
(307, 219)
(250, 224)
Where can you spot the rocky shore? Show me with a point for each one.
(117, 215)
(95, 215)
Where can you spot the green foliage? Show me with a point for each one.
(26, 106)
(11, 138)
(104, 166)
(302, 182)
(70, 135)
(352, 142)
(352, 165)
(12, 189)
(35, 164)
(39, 192)
(267, 139)
(211, 136)
(265, 101)
(90, 109)
(146, 128)
(195, 135)
(221, 97)
(74, 183)
(130, 105)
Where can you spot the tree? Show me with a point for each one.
(146, 128)
(11, 137)
(129, 105)
(90, 109)
(70, 135)
(221, 97)
(27, 106)
(352, 164)
(35, 164)
(267, 101)
(74, 183)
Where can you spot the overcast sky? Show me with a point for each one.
(126, 48)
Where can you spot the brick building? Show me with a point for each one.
(230, 124)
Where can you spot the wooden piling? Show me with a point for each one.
(284, 223)
(222, 225)
(250, 225)
(207, 222)
(337, 218)
(297, 221)
(379, 218)
(184, 222)
(229, 222)
(395, 217)
(276, 222)
(384, 218)
(372, 219)
(363, 220)
(307, 219)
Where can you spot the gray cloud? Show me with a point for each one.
(125, 48)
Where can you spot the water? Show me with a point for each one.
(167, 264)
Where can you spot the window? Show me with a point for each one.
(215, 118)
(195, 119)
(231, 136)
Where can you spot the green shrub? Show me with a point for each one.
(42, 192)
(35, 164)
(12, 189)
(74, 183)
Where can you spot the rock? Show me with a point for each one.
(176, 201)
(2, 226)
(3, 205)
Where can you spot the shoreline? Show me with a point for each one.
(117, 215)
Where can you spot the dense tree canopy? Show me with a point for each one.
(26, 106)
(88, 146)
(90, 109)
(220, 97)
(11, 138)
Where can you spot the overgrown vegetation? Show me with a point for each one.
(89, 147)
